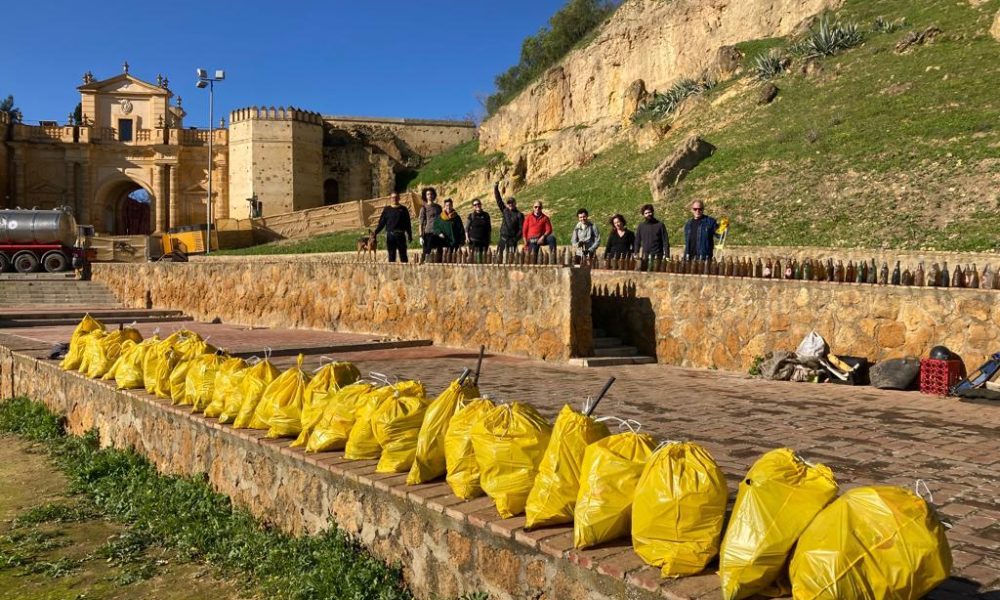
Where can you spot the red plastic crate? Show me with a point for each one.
(938, 376)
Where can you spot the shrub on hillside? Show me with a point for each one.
(662, 104)
(829, 39)
(568, 27)
(883, 25)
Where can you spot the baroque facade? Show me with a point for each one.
(130, 136)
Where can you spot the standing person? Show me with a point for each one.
(537, 230)
(700, 233)
(429, 211)
(395, 220)
(511, 228)
(651, 240)
(586, 238)
(620, 241)
(479, 229)
(448, 228)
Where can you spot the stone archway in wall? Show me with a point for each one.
(125, 207)
(331, 192)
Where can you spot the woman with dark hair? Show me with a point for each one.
(620, 240)
(429, 212)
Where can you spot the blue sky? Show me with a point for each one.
(427, 59)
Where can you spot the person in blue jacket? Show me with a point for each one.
(700, 233)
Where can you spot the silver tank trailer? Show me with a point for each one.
(37, 227)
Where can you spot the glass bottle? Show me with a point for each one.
(896, 275)
(918, 277)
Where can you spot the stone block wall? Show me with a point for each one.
(907, 258)
(446, 547)
(539, 312)
(716, 322)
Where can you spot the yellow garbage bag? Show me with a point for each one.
(871, 543)
(199, 386)
(429, 461)
(553, 495)
(186, 352)
(678, 509)
(319, 393)
(510, 441)
(610, 471)
(280, 408)
(154, 357)
(361, 441)
(335, 425)
(459, 455)
(396, 424)
(71, 361)
(126, 347)
(256, 379)
(777, 500)
(104, 352)
(226, 383)
(128, 374)
(91, 349)
(160, 361)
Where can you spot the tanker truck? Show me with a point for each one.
(41, 239)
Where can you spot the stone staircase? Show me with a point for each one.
(610, 351)
(41, 302)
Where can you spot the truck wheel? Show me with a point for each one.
(25, 262)
(4, 263)
(55, 261)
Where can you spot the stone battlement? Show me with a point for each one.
(275, 114)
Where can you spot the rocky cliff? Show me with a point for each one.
(580, 105)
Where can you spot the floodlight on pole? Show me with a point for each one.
(205, 81)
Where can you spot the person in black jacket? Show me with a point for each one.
(651, 240)
(513, 221)
(395, 220)
(620, 241)
(478, 229)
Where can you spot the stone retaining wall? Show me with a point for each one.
(722, 322)
(539, 312)
(908, 258)
(446, 547)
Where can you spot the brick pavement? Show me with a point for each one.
(866, 436)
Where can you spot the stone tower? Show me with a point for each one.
(277, 155)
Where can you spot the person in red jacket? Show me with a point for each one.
(538, 230)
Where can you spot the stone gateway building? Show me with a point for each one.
(127, 165)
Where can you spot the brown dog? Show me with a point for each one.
(367, 244)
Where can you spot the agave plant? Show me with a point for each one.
(662, 104)
(883, 25)
(769, 65)
(830, 38)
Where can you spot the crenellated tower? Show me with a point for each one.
(277, 155)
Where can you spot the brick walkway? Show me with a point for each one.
(866, 436)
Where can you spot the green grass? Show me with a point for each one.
(455, 163)
(186, 516)
(332, 242)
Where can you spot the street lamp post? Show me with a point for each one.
(205, 81)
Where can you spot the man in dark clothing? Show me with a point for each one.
(395, 220)
(478, 229)
(699, 233)
(651, 239)
(513, 221)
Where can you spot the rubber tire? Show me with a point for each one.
(58, 259)
(25, 262)
(4, 263)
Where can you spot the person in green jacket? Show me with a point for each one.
(448, 228)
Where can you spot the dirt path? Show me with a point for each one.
(60, 560)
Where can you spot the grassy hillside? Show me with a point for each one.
(876, 149)
(870, 149)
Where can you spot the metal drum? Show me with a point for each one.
(37, 227)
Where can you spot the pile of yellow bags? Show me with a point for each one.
(553, 495)
(509, 442)
(777, 500)
(608, 476)
(678, 509)
(128, 373)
